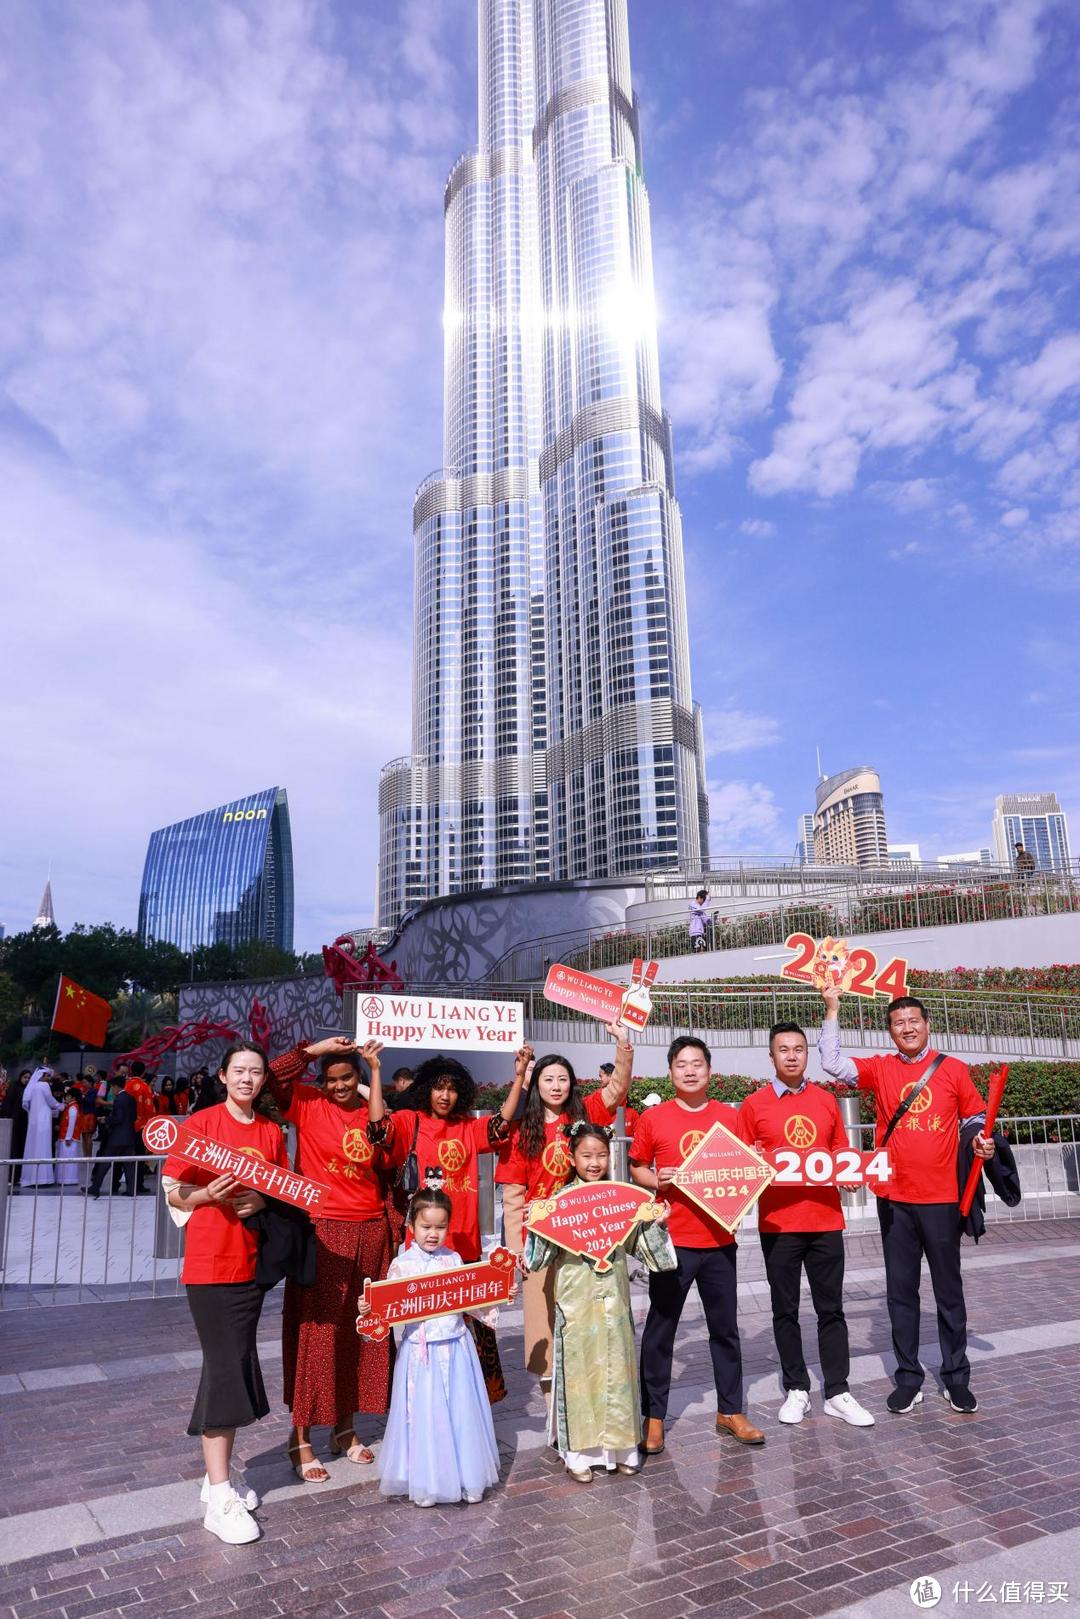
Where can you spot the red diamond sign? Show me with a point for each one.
(724, 1177)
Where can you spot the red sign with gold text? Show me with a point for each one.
(164, 1135)
(723, 1176)
(592, 1217)
(442, 1292)
(832, 964)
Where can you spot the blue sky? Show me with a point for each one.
(221, 246)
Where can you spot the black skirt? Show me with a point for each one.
(231, 1392)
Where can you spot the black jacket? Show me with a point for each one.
(1000, 1171)
(119, 1134)
(286, 1244)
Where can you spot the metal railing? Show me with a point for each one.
(850, 908)
(756, 874)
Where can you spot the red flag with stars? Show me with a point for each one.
(82, 1015)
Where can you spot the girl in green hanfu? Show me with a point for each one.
(595, 1409)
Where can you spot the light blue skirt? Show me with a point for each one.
(439, 1443)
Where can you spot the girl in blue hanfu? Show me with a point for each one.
(595, 1408)
(439, 1444)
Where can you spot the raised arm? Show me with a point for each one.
(524, 1056)
(289, 1069)
(834, 1064)
(617, 1088)
(376, 1105)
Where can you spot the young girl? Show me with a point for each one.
(68, 1146)
(595, 1410)
(219, 1272)
(537, 1164)
(439, 1444)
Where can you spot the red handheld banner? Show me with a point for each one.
(592, 1217)
(832, 964)
(441, 1292)
(599, 997)
(995, 1094)
(820, 1168)
(164, 1135)
(724, 1176)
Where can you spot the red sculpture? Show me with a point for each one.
(262, 1029)
(368, 971)
(180, 1037)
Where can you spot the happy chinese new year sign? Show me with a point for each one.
(599, 998)
(592, 1217)
(723, 1176)
(832, 964)
(441, 1292)
(165, 1136)
(441, 1023)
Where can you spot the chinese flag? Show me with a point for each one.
(82, 1015)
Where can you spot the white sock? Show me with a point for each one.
(219, 1493)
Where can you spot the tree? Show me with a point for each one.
(137, 1014)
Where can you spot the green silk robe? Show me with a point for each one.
(594, 1396)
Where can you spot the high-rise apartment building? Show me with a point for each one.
(554, 732)
(222, 877)
(1037, 821)
(804, 842)
(849, 819)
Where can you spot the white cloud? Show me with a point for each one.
(1056, 371)
(744, 818)
(733, 730)
(1015, 517)
(758, 528)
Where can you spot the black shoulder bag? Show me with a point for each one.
(407, 1179)
(906, 1101)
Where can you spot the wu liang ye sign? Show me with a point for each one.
(723, 1176)
(166, 1136)
(440, 1292)
(592, 1217)
(441, 1023)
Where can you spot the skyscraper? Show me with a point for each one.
(1037, 821)
(804, 842)
(222, 877)
(554, 731)
(849, 819)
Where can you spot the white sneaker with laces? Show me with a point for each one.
(231, 1521)
(795, 1407)
(847, 1408)
(245, 1496)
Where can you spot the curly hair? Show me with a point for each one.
(531, 1135)
(433, 1069)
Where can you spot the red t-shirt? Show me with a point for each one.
(446, 1154)
(666, 1135)
(803, 1119)
(333, 1149)
(922, 1149)
(220, 1247)
(550, 1171)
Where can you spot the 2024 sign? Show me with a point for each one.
(832, 965)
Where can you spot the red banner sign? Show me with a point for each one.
(724, 1176)
(164, 1135)
(833, 965)
(819, 1168)
(592, 1217)
(600, 998)
(441, 1292)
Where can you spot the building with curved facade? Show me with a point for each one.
(222, 877)
(555, 736)
(849, 819)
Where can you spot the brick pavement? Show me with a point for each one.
(822, 1517)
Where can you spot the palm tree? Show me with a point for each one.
(137, 1014)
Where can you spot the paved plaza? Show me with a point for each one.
(99, 1511)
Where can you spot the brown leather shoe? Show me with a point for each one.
(739, 1428)
(653, 1442)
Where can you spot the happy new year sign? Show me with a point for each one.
(440, 1023)
(165, 1136)
(442, 1292)
(592, 1217)
(723, 1176)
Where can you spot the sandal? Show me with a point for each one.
(309, 1472)
(356, 1453)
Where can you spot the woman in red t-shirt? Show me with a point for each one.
(219, 1273)
(330, 1372)
(537, 1163)
(446, 1142)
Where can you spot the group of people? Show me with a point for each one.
(402, 1199)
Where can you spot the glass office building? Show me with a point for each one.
(554, 731)
(222, 877)
(1035, 820)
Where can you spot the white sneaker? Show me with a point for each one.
(795, 1407)
(231, 1521)
(246, 1497)
(847, 1408)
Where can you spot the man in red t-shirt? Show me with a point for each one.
(664, 1137)
(802, 1227)
(918, 1207)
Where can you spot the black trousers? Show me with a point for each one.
(712, 1270)
(101, 1169)
(822, 1254)
(908, 1231)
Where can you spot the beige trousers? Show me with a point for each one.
(538, 1291)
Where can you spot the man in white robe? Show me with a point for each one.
(41, 1106)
